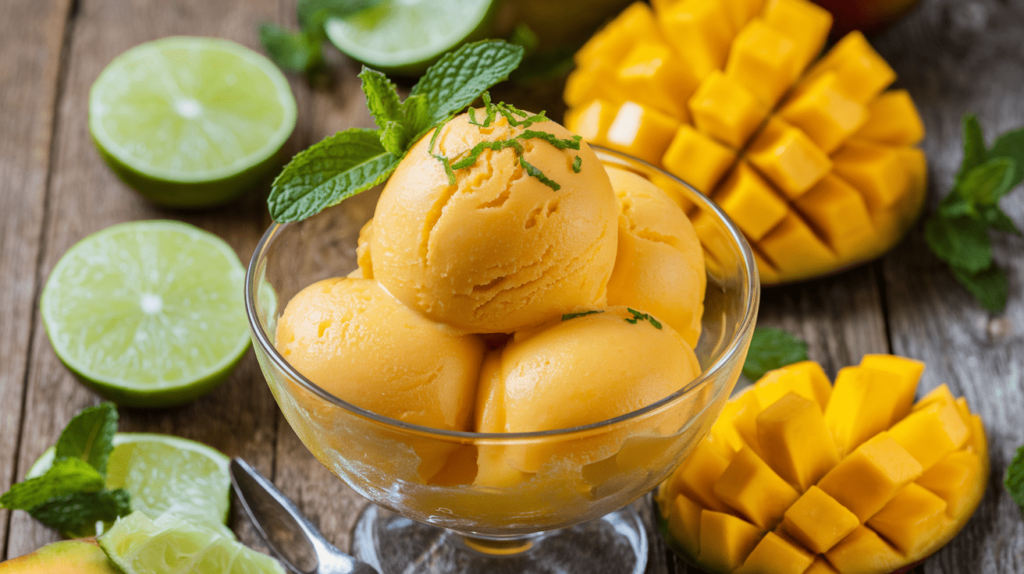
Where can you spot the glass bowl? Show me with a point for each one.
(575, 508)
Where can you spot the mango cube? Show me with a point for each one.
(795, 441)
(752, 488)
(590, 82)
(764, 61)
(862, 73)
(613, 41)
(725, 110)
(651, 75)
(821, 566)
(862, 405)
(909, 373)
(823, 112)
(697, 476)
(804, 23)
(868, 478)
(697, 159)
(864, 551)
(725, 540)
(893, 120)
(817, 521)
(742, 11)
(739, 413)
(765, 270)
(795, 250)
(840, 215)
(931, 433)
(751, 202)
(951, 479)
(684, 523)
(640, 131)
(592, 122)
(701, 32)
(805, 378)
(788, 158)
(940, 395)
(774, 555)
(911, 519)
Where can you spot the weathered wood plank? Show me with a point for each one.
(957, 57)
(239, 418)
(31, 39)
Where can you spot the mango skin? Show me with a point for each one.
(81, 556)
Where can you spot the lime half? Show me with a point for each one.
(190, 122)
(148, 313)
(406, 36)
(169, 545)
(166, 475)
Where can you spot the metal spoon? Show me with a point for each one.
(289, 534)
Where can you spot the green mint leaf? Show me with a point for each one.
(312, 9)
(994, 218)
(1011, 145)
(1014, 478)
(974, 145)
(577, 164)
(985, 184)
(568, 316)
(291, 51)
(954, 205)
(66, 476)
(90, 436)
(638, 316)
(381, 98)
(771, 349)
(338, 167)
(961, 242)
(989, 286)
(533, 171)
(523, 35)
(460, 77)
(77, 514)
(546, 65)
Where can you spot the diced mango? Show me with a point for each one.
(774, 555)
(651, 75)
(862, 73)
(701, 32)
(764, 61)
(788, 158)
(725, 110)
(817, 521)
(940, 395)
(795, 441)
(684, 524)
(909, 373)
(823, 112)
(592, 121)
(585, 84)
(951, 479)
(751, 488)
(979, 442)
(697, 476)
(697, 159)
(802, 22)
(742, 11)
(767, 272)
(805, 378)
(641, 132)
(862, 405)
(751, 203)
(864, 552)
(795, 250)
(726, 540)
(839, 214)
(612, 42)
(931, 433)
(870, 476)
(911, 520)
(893, 120)
(821, 566)
(738, 413)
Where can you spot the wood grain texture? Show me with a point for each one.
(239, 418)
(955, 57)
(31, 41)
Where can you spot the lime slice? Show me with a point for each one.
(169, 545)
(406, 36)
(149, 313)
(190, 122)
(166, 475)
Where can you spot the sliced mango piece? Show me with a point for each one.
(951, 479)
(931, 433)
(726, 540)
(612, 42)
(751, 487)
(821, 566)
(592, 122)
(742, 11)
(751, 203)
(775, 555)
(697, 159)
(739, 413)
(795, 441)
(725, 110)
(911, 519)
(893, 120)
(651, 75)
(788, 158)
(818, 521)
(588, 83)
(805, 378)
(764, 61)
(862, 405)
(684, 524)
(862, 73)
(940, 395)
(795, 250)
(870, 476)
(909, 373)
(697, 476)
(765, 270)
(802, 22)
(826, 114)
(835, 209)
(641, 131)
(864, 552)
(701, 32)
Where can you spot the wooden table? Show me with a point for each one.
(954, 56)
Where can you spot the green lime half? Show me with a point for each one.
(406, 36)
(190, 122)
(169, 545)
(165, 475)
(148, 313)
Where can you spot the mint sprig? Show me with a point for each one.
(302, 51)
(71, 496)
(958, 231)
(639, 316)
(772, 349)
(355, 160)
(1014, 478)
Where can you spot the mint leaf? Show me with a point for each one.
(985, 184)
(90, 436)
(989, 286)
(974, 145)
(961, 242)
(1011, 145)
(568, 316)
(771, 349)
(1014, 478)
(292, 51)
(76, 514)
(66, 476)
(460, 77)
(994, 218)
(381, 97)
(338, 167)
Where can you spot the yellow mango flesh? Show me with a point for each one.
(81, 556)
(909, 480)
(712, 90)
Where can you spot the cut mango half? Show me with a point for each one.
(798, 476)
(814, 161)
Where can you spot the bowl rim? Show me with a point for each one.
(746, 326)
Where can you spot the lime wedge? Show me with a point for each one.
(169, 545)
(166, 475)
(148, 313)
(190, 122)
(406, 36)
